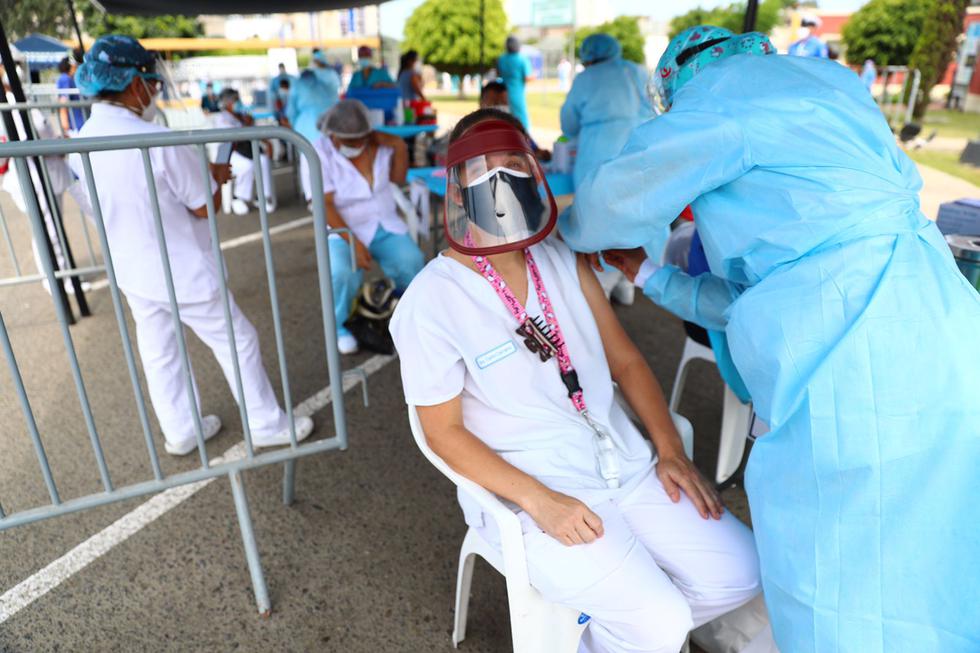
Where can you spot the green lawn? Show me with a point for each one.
(543, 107)
(952, 123)
(948, 162)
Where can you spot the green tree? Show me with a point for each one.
(935, 48)
(446, 33)
(626, 29)
(885, 31)
(731, 17)
(21, 17)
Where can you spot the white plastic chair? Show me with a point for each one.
(736, 417)
(537, 626)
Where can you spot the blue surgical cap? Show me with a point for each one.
(320, 56)
(599, 47)
(111, 64)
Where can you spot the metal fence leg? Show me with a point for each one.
(289, 482)
(248, 540)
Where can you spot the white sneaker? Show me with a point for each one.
(624, 292)
(239, 207)
(347, 344)
(304, 426)
(271, 205)
(210, 425)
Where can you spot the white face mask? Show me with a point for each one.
(417, 67)
(150, 110)
(804, 32)
(501, 107)
(351, 152)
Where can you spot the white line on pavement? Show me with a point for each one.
(26, 592)
(231, 243)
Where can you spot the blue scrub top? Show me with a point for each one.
(76, 117)
(376, 76)
(513, 68)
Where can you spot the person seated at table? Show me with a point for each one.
(359, 166)
(233, 116)
(638, 542)
(367, 74)
(493, 95)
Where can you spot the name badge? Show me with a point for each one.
(496, 354)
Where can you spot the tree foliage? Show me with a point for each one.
(730, 17)
(21, 17)
(446, 34)
(626, 29)
(936, 46)
(885, 31)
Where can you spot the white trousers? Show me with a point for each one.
(157, 342)
(243, 169)
(658, 571)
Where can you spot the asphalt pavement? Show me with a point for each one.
(365, 560)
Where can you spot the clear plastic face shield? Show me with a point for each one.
(496, 201)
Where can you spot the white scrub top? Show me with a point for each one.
(363, 209)
(226, 120)
(455, 337)
(128, 214)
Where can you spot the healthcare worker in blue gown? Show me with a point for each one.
(309, 100)
(856, 336)
(515, 71)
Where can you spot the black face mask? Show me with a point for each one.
(502, 201)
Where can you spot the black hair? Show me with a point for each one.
(492, 87)
(480, 115)
(407, 60)
(64, 66)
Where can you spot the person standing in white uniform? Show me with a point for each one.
(242, 163)
(639, 543)
(119, 73)
(359, 166)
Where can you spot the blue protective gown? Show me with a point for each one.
(513, 68)
(330, 80)
(376, 76)
(606, 102)
(856, 336)
(274, 85)
(308, 100)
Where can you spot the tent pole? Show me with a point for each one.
(7, 59)
(74, 22)
(482, 34)
(751, 12)
(381, 43)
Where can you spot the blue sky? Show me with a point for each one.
(395, 13)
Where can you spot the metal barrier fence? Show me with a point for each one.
(20, 152)
(896, 110)
(31, 120)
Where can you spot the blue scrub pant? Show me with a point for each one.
(400, 260)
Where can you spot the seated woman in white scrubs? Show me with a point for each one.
(242, 163)
(509, 349)
(359, 166)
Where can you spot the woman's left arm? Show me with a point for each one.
(643, 393)
(417, 86)
(399, 160)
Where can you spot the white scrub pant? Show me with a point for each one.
(658, 571)
(243, 169)
(157, 342)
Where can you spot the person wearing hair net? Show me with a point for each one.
(327, 76)
(309, 101)
(515, 71)
(608, 99)
(855, 335)
(359, 166)
(121, 75)
(233, 116)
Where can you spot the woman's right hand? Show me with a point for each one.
(362, 255)
(565, 518)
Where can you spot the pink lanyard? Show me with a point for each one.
(546, 340)
(553, 341)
